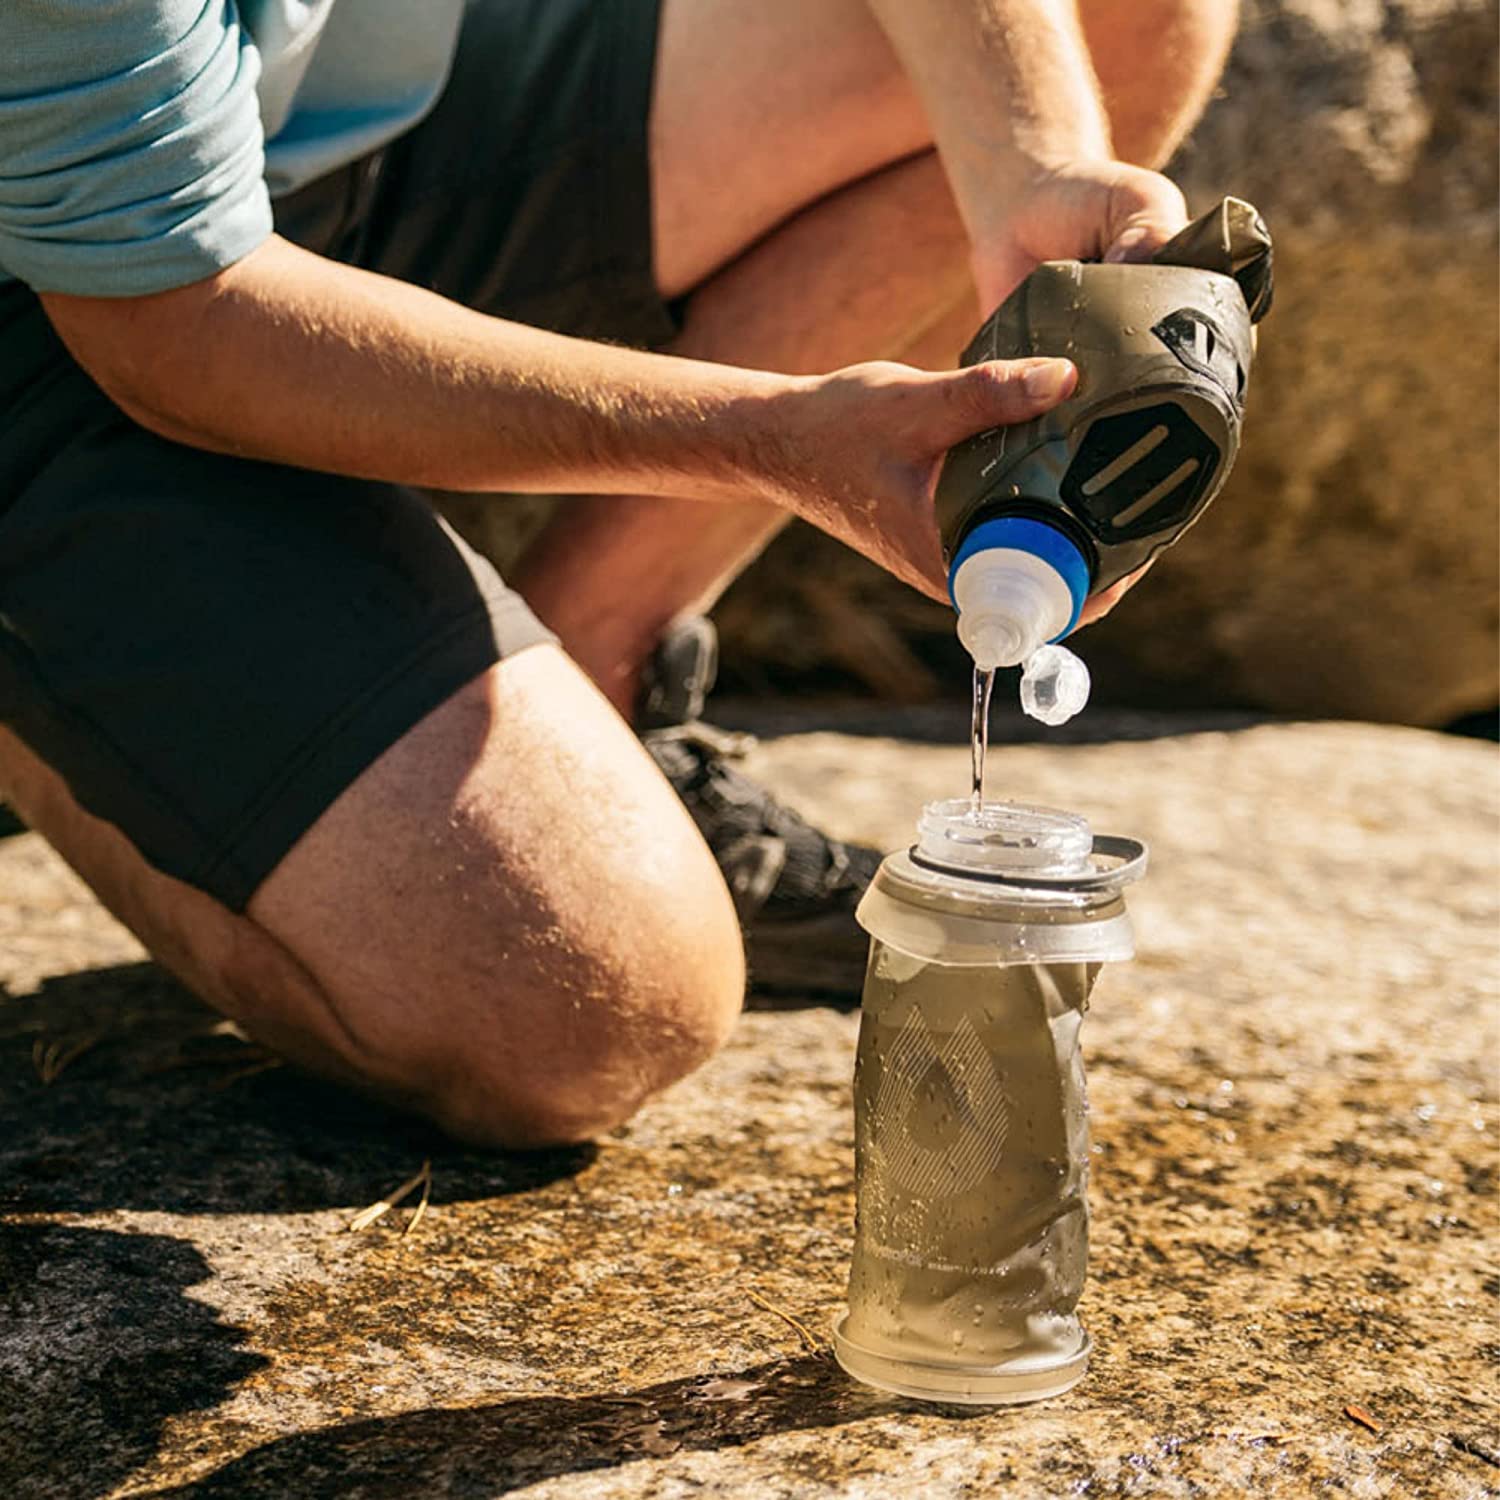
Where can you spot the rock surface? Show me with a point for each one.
(1294, 1194)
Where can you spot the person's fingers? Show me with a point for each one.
(998, 393)
(1105, 600)
(1146, 210)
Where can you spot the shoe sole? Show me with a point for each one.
(804, 958)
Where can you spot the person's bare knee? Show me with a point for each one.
(622, 1007)
(513, 914)
(553, 1063)
(618, 1034)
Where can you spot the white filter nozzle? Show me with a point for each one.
(1010, 603)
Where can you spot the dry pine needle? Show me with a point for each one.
(422, 1179)
(808, 1337)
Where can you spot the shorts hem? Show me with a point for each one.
(357, 736)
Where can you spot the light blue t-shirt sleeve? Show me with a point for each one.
(131, 158)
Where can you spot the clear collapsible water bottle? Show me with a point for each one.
(971, 1130)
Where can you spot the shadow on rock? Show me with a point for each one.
(99, 1345)
(119, 1089)
(493, 1450)
(948, 722)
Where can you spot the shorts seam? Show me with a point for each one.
(522, 163)
(98, 743)
(225, 857)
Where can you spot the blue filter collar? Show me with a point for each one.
(1022, 534)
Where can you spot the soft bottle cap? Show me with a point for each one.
(1017, 584)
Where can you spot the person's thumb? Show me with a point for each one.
(1000, 392)
(1148, 209)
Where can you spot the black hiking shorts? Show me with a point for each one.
(209, 650)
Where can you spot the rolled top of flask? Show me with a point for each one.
(1015, 884)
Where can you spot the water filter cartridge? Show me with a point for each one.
(1017, 585)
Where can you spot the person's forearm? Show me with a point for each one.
(295, 359)
(1009, 92)
(1157, 62)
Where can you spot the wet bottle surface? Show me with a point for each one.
(971, 1239)
(1038, 516)
(1089, 491)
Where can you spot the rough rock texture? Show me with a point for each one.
(1350, 567)
(1295, 1124)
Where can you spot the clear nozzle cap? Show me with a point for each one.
(1007, 614)
(1054, 685)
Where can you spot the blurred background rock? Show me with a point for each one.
(1352, 565)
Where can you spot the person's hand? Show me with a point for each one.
(1098, 605)
(1087, 210)
(858, 452)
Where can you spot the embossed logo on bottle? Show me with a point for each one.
(941, 1116)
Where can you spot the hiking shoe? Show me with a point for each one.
(795, 889)
(679, 676)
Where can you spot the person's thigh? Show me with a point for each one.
(758, 111)
(507, 922)
(592, 161)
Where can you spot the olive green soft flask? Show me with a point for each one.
(971, 1119)
(1037, 516)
